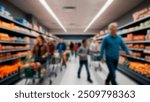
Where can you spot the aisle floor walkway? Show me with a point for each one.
(69, 76)
(98, 77)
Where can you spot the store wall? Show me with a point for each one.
(16, 12)
(126, 18)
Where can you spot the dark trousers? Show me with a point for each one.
(87, 68)
(112, 66)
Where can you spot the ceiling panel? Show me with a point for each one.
(76, 20)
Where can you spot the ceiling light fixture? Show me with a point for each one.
(46, 6)
(107, 4)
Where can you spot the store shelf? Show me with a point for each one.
(4, 51)
(18, 24)
(134, 22)
(134, 31)
(137, 58)
(10, 59)
(141, 79)
(16, 32)
(10, 79)
(134, 49)
(129, 42)
(15, 43)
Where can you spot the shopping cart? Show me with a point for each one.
(95, 60)
(30, 73)
(53, 64)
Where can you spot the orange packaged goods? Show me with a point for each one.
(7, 25)
(6, 70)
(4, 37)
(141, 68)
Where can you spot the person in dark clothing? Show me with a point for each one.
(40, 54)
(40, 50)
(83, 57)
(71, 47)
(111, 45)
(79, 44)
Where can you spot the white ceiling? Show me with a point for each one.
(76, 21)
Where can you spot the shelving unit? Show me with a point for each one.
(9, 79)
(10, 59)
(17, 33)
(15, 43)
(136, 58)
(142, 79)
(18, 24)
(4, 51)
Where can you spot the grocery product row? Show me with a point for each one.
(19, 21)
(7, 56)
(8, 70)
(140, 67)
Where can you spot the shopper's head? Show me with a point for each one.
(113, 28)
(85, 42)
(40, 40)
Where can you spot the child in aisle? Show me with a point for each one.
(83, 59)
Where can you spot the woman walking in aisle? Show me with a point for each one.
(111, 45)
(83, 59)
(40, 53)
(40, 50)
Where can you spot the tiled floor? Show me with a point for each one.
(69, 76)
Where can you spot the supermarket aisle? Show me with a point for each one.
(70, 76)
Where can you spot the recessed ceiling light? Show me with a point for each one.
(107, 4)
(50, 11)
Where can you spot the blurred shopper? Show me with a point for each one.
(71, 47)
(61, 47)
(52, 47)
(79, 44)
(75, 48)
(40, 53)
(111, 45)
(94, 53)
(83, 59)
(67, 54)
(40, 50)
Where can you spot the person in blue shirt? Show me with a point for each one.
(111, 46)
(61, 47)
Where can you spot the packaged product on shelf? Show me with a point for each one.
(6, 70)
(140, 14)
(2, 10)
(142, 68)
(23, 21)
(147, 57)
(148, 35)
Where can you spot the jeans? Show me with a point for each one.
(112, 66)
(87, 68)
(76, 54)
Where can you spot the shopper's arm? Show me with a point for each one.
(124, 47)
(102, 48)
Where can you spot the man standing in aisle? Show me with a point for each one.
(83, 58)
(111, 45)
